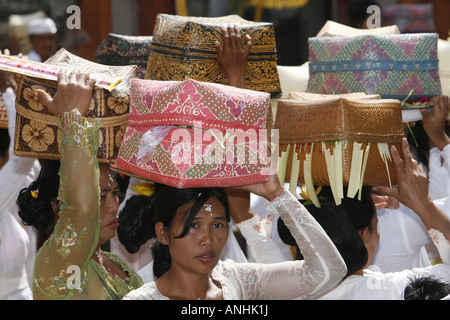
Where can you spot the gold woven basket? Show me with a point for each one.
(37, 134)
(184, 47)
(337, 141)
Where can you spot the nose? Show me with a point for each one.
(206, 239)
(112, 202)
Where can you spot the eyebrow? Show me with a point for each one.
(117, 187)
(217, 218)
(214, 216)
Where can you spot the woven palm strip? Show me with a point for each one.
(303, 122)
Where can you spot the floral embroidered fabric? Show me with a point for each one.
(322, 268)
(64, 268)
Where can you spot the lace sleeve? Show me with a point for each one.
(263, 248)
(75, 236)
(442, 244)
(322, 268)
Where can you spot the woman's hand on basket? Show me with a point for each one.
(74, 92)
(269, 189)
(412, 182)
(232, 57)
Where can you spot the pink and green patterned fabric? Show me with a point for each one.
(395, 66)
(195, 134)
(409, 17)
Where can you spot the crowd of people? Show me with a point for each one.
(57, 215)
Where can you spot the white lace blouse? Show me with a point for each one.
(322, 268)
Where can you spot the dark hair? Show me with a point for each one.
(358, 212)
(135, 223)
(341, 223)
(419, 142)
(287, 238)
(38, 212)
(5, 140)
(140, 214)
(426, 287)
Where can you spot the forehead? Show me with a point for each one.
(107, 178)
(212, 207)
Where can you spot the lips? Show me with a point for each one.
(114, 223)
(206, 257)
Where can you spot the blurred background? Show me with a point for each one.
(294, 20)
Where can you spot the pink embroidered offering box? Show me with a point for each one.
(196, 134)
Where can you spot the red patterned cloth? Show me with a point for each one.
(195, 134)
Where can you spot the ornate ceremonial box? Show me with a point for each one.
(395, 66)
(184, 47)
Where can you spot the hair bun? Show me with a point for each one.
(135, 222)
(33, 210)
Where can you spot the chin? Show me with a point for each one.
(207, 268)
(107, 235)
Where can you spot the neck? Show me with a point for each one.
(184, 285)
(359, 272)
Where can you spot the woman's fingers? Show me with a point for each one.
(385, 192)
(248, 44)
(45, 98)
(72, 77)
(232, 40)
(62, 76)
(398, 163)
(226, 40)
(90, 82)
